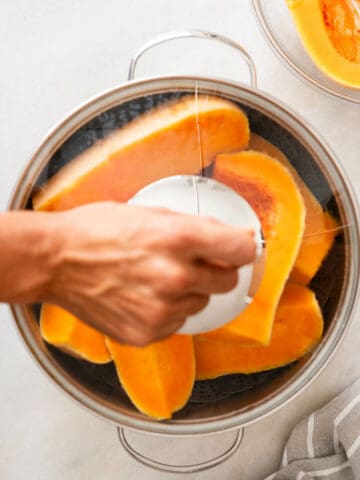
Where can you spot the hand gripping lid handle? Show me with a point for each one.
(202, 196)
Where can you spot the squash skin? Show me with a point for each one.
(272, 192)
(320, 227)
(159, 377)
(159, 143)
(62, 329)
(298, 327)
(309, 21)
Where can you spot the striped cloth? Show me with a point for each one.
(326, 445)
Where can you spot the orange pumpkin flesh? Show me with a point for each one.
(330, 32)
(160, 143)
(298, 327)
(320, 228)
(271, 191)
(65, 331)
(342, 20)
(158, 378)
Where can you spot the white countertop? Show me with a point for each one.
(53, 56)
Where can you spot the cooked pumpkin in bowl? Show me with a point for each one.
(318, 40)
(330, 32)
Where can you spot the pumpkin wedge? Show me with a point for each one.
(180, 137)
(159, 377)
(63, 330)
(272, 192)
(297, 329)
(320, 227)
(330, 32)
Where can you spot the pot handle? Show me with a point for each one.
(173, 468)
(202, 34)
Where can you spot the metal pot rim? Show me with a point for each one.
(288, 119)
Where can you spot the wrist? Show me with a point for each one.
(49, 234)
(30, 243)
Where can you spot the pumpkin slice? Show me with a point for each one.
(272, 192)
(330, 32)
(297, 329)
(62, 329)
(159, 377)
(320, 227)
(180, 137)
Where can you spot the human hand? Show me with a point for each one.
(137, 273)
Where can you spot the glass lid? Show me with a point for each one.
(208, 133)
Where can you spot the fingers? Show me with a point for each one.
(232, 245)
(172, 278)
(214, 242)
(163, 318)
(195, 278)
(161, 313)
(207, 279)
(128, 334)
(131, 334)
(188, 305)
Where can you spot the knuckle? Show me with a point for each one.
(181, 236)
(201, 303)
(205, 300)
(178, 279)
(231, 280)
(213, 221)
(196, 304)
(160, 312)
(144, 336)
(177, 324)
(141, 340)
(170, 276)
(131, 337)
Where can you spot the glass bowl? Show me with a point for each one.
(278, 27)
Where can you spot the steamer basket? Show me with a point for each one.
(234, 401)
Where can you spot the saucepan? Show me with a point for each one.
(232, 402)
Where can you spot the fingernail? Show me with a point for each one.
(258, 241)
